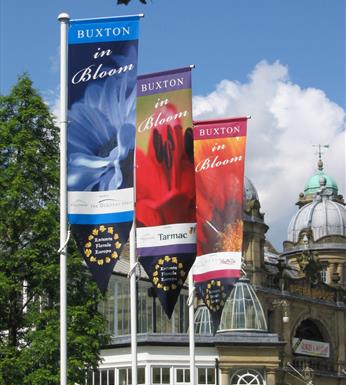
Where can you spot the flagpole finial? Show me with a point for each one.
(64, 16)
(319, 153)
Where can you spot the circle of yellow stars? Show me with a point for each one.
(211, 304)
(181, 273)
(100, 261)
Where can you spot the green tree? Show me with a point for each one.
(29, 262)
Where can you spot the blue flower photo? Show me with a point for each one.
(102, 134)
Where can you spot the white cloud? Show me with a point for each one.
(286, 121)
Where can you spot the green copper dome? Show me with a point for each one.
(313, 184)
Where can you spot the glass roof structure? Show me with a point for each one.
(242, 312)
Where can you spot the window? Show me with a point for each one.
(270, 316)
(206, 376)
(107, 377)
(308, 330)
(125, 376)
(89, 379)
(247, 377)
(323, 274)
(100, 377)
(160, 376)
(111, 377)
(141, 376)
(116, 310)
(182, 376)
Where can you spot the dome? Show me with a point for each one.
(313, 184)
(250, 192)
(251, 204)
(243, 310)
(203, 324)
(323, 216)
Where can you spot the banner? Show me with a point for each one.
(310, 347)
(219, 151)
(165, 189)
(102, 74)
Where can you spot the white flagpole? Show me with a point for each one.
(192, 320)
(192, 330)
(132, 273)
(133, 287)
(64, 21)
(133, 303)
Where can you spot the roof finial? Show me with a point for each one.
(319, 153)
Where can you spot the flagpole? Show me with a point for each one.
(133, 286)
(192, 320)
(133, 304)
(64, 21)
(132, 273)
(191, 330)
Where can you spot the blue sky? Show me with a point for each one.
(224, 41)
(280, 61)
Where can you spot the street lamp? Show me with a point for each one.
(284, 305)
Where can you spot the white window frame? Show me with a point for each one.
(128, 370)
(246, 371)
(98, 373)
(185, 369)
(206, 368)
(170, 368)
(323, 275)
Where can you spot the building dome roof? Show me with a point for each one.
(251, 207)
(250, 191)
(313, 184)
(323, 216)
(203, 321)
(243, 310)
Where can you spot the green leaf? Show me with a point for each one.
(29, 263)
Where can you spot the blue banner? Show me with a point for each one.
(102, 75)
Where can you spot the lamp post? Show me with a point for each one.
(284, 305)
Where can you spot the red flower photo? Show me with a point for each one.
(219, 194)
(165, 182)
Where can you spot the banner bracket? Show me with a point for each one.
(66, 240)
(189, 301)
(132, 270)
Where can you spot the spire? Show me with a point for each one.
(313, 185)
(319, 153)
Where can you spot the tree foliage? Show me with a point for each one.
(29, 262)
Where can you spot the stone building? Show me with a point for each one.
(284, 322)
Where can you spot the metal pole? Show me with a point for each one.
(64, 21)
(191, 331)
(133, 302)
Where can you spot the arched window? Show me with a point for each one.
(247, 377)
(308, 330)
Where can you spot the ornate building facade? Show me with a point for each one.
(284, 322)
